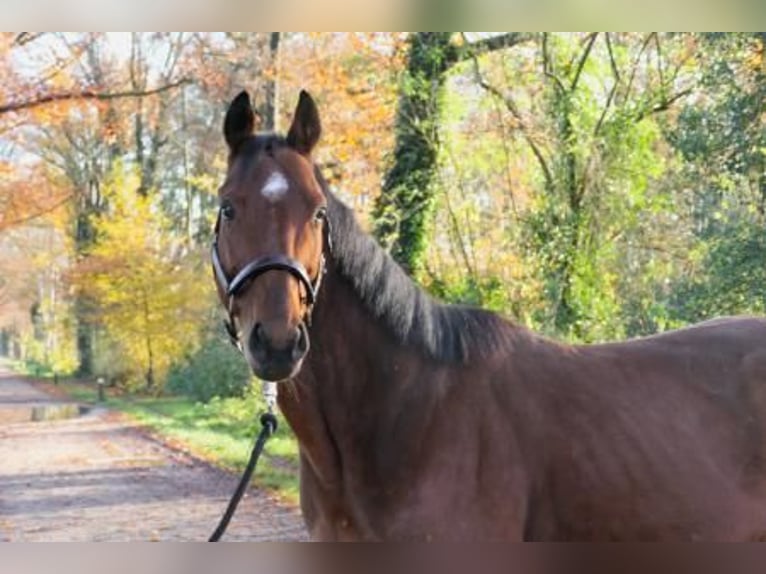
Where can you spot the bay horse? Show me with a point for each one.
(418, 420)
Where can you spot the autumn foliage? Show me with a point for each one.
(592, 186)
(146, 283)
(117, 154)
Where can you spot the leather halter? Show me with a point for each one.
(258, 267)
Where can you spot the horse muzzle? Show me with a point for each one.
(276, 358)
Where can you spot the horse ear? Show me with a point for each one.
(239, 122)
(306, 128)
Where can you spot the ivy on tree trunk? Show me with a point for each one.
(402, 210)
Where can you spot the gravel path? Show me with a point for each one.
(97, 478)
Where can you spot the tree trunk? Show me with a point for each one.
(4, 342)
(83, 307)
(149, 351)
(566, 310)
(402, 210)
(271, 100)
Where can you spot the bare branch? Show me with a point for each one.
(664, 105)
(612, 91)
(511, 106)
(659, 61)
(607, 105)
(557, 80)
(27, 218)
(637, 59)
(547, 68)
(87, 95)
(589, 46)
(507, 153)
(24, 38)
(469, 265)
(665, 102)
(491, 44)
(612, 61)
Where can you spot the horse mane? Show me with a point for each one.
(445, 333)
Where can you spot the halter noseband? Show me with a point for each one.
(258, 267)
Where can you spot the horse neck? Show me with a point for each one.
(345, 390)
(350, 346)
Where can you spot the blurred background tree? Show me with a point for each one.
(591, 186)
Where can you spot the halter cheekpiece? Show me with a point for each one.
(258, 267)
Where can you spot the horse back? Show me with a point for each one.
(655, 438)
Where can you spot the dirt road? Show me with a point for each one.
(96, 477)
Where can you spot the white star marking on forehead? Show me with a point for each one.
(275, 187)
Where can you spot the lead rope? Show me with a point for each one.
(268, 428)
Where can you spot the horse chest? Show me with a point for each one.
(435, 506)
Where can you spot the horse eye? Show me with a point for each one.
(227, 210)
(321, 214)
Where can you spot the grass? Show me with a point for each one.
(221, 431)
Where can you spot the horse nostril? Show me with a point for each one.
(257, 339)
(301, 344)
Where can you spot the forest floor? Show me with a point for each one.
(100, 477)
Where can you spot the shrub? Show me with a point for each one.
(216, 369)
